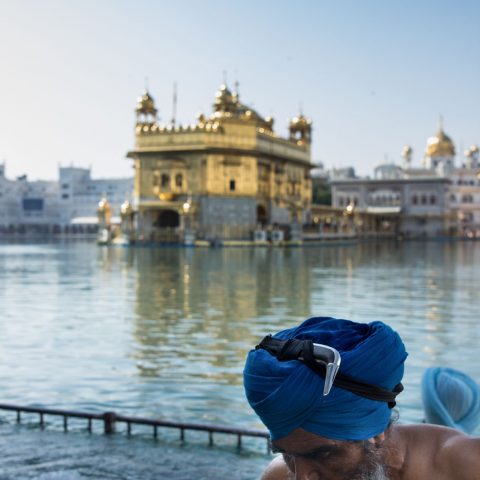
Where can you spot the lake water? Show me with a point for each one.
(164, 332)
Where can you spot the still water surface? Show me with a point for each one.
(164, 332)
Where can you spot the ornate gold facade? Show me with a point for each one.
(222, 176)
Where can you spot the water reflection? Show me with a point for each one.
(165, 331)
(207, 306)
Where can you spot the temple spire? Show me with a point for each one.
(440, 121)
(174, 104)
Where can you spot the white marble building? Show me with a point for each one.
(66, 206)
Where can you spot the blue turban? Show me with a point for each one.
(288, 394)
(451, 398)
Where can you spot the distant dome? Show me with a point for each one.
(146, 104)
(474, 149)
(440, 145)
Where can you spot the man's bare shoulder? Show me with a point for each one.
(452, 454)
(277, 470)
(460, 455)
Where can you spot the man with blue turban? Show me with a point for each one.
(326, 389)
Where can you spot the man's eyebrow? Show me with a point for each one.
(315, 451)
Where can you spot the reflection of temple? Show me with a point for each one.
(215, 303)
(220, 177)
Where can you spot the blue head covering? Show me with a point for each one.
(451, 398)
(288, 394)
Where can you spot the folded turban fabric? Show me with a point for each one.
(451, 398)
(288, 394)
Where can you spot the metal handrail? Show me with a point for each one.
(110, 419)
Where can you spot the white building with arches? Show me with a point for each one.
(439, 198)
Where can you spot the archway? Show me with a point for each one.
(167, 219)
(262, 215)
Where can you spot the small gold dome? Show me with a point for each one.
(407, 151)
(146, 104)
(440, 145)
(300, 121)
(474, 149)
(224, 96)
(126, 208)
(103, 205)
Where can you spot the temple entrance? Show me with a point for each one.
(262, 216)
(167, 219)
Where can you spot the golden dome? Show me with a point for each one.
(440, 145)
(228, 105)
(474, 149)
(146, 104)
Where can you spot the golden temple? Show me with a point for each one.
(225, 176)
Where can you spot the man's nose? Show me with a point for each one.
(305, 470)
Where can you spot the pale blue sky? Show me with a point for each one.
(372, 75)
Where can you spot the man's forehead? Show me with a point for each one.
(300, 441)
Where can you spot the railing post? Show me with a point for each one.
(109, 422)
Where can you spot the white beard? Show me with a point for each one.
(377, 474)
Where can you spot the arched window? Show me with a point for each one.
(433, 200)
(415, 200)
(424, 200)
(165, 180)
(178, 179)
